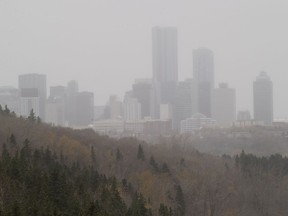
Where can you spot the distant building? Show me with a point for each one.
(131, 109)
(196, 122)
(56, 106)
(166, 112)
(243, 115)
(71, 102)
(55, 111)
(185, 104)
(165, 67)
(29, 101)
(99, 112)
(263, 99)
(84, 109)
(10, 96)
(114, 107)
(224, 105)
(33, 94)
(203, 73)
(142, 91)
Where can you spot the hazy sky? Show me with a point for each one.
(106, 44)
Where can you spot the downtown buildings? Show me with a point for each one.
(263, 99)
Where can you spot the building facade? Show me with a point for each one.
(263, 99)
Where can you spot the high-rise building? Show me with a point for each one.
(114, 107)
(131, 109)
(165, 67)
(203, 73)
(31, 87)
(263, 99)
(142, 91)
(224, 105)
(9, 97)
(71, 102)
(84, 108)
(185, 102)
(165, 54)
(56, 106)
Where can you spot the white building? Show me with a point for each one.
(55, 112)
(29, 103)
(196, 122)
(131, 109)
(35, 85)
(10, 96)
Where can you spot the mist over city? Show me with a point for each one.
(143, 108)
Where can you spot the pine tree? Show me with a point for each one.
(180, 200)
(140, 153)
(32, 116)
(154, 164)
(12, 140)
(119, 155)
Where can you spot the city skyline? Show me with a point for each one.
(245, 37)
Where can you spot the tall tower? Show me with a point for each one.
(203, 73)
(263, 99)
(165, 67)
(33, 94)
(224, 105)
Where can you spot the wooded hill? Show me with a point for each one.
(47, 170)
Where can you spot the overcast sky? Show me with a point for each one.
(106, 44)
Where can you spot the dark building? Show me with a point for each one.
(185, 102)
(142, 91)
(84, 109)
(203, 73)
(263, 99)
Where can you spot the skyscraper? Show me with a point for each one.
(224, 105)
(263, 99)
(165, 67)
(33, 94)
(185, 102)
(203, 73)
(142, 91)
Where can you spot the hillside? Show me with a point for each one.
(165, 179)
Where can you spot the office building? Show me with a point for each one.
(196, 122)
(9, 97)
(33, 90)
(224, 105)
(165, 67)
(203, 73)
(263, 99)
(185, 102)
(131, 109)
(142, 91)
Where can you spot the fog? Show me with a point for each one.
(106, 44)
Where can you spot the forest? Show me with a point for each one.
(47, 170)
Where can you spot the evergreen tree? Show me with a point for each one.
(154, 164)
(181, 206)
(6, 111)
(119, 155)
(32, 116)
(140, 153)
(12, 140)
(165, 168)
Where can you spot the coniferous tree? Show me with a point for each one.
(180, 201)
(32, 116)
(140, 153)
(119, 155)
(154, 164)
(12, 140)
